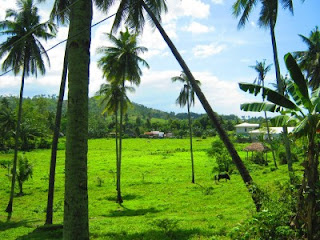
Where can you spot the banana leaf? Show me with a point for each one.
(259, 107)
(301, 87)
(272, 96)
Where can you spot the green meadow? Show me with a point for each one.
(160, 202)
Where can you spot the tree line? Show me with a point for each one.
(39, 113)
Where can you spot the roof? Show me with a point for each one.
(273, 130)
(256, 147)
(245, 124)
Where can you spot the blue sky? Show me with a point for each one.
(206, 34)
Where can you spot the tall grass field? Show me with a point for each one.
(160, 202)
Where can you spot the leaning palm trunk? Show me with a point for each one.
(281, 91)
(76, 224)
(211, 114)
(55, 139)
(16, 145)
(191, 150)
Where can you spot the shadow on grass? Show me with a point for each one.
(125, 212)
(11, 224)
(44, 232)
(155, 235)
(126, 197)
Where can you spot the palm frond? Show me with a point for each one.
(259, 107)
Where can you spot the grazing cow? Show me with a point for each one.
(220, 176)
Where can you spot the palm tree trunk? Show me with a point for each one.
(211, 114)
(190, 134)
(119, 197)
(20, 188)
(281, 91)
(270, 140)
(16, 145)
(117, 147)
(307, 202)
(56, 139)
(76, 224)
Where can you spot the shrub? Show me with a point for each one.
(223, 159)
(24, 171)
(273, 221)
(241, 138)
(259, 158)
(44, 143)
(283, 157)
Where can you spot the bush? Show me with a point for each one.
(283, 157)
(44, 143)
(223, 159)
(24, 171)
(240, 138)
(259, 158)
(273, 221)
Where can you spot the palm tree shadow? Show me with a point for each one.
(44, 232)
(130, 212)
(126, 197)
(11, 224)
(154, 234)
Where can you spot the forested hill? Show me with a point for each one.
(39, 116)
(48, 103)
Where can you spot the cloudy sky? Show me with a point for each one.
(205, 33)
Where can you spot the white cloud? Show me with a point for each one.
(4, 5)
(153, 40)
(253, 24)
(196, 27)
(158, 91)
(217, 1)
(186, 8)
(203, 51)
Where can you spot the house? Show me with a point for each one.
(154, 134)
(169, 135)
(275, 132)
(245, 128)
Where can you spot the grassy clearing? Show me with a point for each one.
(160, 202)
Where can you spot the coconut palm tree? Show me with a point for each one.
(111, 95)
(186, 97)
(262, 70)
(309, 60)
(24, 52)
(267, 19)
(120, 63)
(132, 13)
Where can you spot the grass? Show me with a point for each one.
(160, 202)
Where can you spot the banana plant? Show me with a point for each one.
(302, 106)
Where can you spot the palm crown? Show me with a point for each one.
(268, 12)
(111, 95)
(23, 46)
(187, 93)
(310, 60)
(121, 62)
